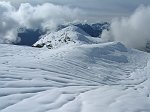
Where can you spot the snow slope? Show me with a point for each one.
(83, 78)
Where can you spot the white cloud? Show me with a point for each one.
(40, 16)
(133, 31)
(97, 10)
(7, 32)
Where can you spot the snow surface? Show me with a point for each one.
(85, 78)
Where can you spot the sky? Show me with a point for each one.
(96, 10)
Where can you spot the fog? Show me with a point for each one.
(133, 31)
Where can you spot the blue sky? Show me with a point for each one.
(95, 9)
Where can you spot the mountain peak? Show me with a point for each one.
(67, 36)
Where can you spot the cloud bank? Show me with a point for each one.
(133, 31)
(97, 10)
(45, 16)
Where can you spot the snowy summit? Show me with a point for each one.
(70, 35)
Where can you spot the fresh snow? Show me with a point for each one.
(83, 78)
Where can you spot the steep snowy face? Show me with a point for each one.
(70, 35)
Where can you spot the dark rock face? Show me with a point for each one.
(29, 36)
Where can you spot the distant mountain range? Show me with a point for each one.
(95, 30)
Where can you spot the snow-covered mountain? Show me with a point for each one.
(29, 36)
(70, 35)
(104, 77)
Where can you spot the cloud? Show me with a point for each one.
(97, 10)
(133, 31)
(45, 16)
(7, 32)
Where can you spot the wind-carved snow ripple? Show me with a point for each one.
(54, 79)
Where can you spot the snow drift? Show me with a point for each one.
(80, 78)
